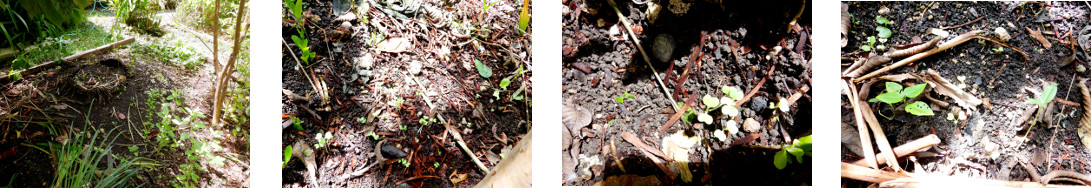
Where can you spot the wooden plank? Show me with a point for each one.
(51, 64)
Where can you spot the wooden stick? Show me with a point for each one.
(865, 139)
(40, 67)
(893, 179)
(876, 130)
(454, 133)
(941, 47)
(906, 149)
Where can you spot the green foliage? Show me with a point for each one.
(482, 69)
(919, 108)
(871, 42)
(998, 49)
(882, 20)
(372, 135)
(524, 19)
(895, 94)
(1047, 95)
(297, 123)
(798, 149)
(883, 31)
(303, 44)
(287, 156)
(175, 54)
(176, 126)
(734, 92)
(404, 162)
(139, 15)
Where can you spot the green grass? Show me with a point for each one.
(71, 41)
(174, 54)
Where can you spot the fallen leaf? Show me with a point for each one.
(1037, 35)
(394, 45)
(456, 177)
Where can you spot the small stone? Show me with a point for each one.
(1080, 68)
(758, 103)
(415, 67)
(751, 125)
(884, 10)
(664, 47)
(1002, 34)
(653, 12)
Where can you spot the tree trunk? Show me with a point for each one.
(222, 78)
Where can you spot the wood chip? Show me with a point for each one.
(1037, 35)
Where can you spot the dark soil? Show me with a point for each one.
(392, 100)
(962, 152)
(599, 67)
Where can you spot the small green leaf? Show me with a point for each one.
(889, 98)
(1048, 94)
(620, 99)
(798, 153)
(689, 116)
(704, 117)
(865, 48)
(914, 91)
(919, 109)
(710, 102)
(631, 96)
(483, 70)
(524, 19)
(781, 159)
(734, 92)
(881, 20)
(883, 32)
(805, 143)
(504, 83)
(893, 87)
(871, 40)
(287, 155)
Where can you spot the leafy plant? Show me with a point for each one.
(870, 43)
(323, 140)
(621, 99)
(882, 20)
(296, 123)
(524, 18)
(404, 162)
(372, 135)
(895, 94)
(1043, 99)
(798, 149)
(998, 50)
(302, 42)
(883, 31)
(287, 156)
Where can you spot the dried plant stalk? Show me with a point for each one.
(913, 50)
(873, 60)
(946, 45)
(1085, 122)
(865, 139)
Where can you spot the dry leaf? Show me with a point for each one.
(456, 177)
(394, 45)
(1037, 35)
(846, 24)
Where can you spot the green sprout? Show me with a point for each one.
(998, 49)
(287, 156)
(297, 123)
(1043, 99)
(895, 94)
(403, 161)
(798, 148)
(373, 135)
(435, 164)
(323, 139)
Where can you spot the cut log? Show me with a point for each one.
(51, 64)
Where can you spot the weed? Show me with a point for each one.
(322, 139)
(798, 148)
(998, 50)
(372, 135)
(895, 94)
(296, 123)
(404, 162)
(287, 156)
(482, 69)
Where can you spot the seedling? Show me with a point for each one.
(287, 156)
(404, 162)
(798, 148)
(402, 127)
(323, 140)
(482, 69)
(372, 135)
(998, 50)
(435, 164)
(895, 94)
(882, 20)
(297, 123)
(870, 41)
(1043, 99)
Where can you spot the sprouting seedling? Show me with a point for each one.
(870, 43)
(297, 123)
(798, 148)
(287, 156)
(404, 162)
(895, 94)
(323, 139)
(882, 20)
(621, 99)
(1043, 99)
(998, 50)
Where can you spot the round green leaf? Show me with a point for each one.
(781, 159)
(893, 87)
(287, 154)
(704, 117)
(865, 48)
(710, 102)
(883, 32)
(913, 91)
(805, 143)
(919, 109)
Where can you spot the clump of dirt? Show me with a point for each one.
(748, 45)
(986, 143)
(395, 73)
